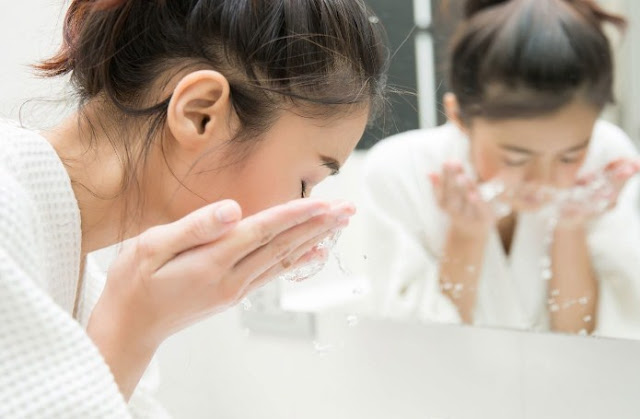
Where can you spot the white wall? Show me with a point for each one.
(29, 31)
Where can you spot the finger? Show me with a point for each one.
(159, 244)
(449, 184)
(283, 250)
(436, 184)
(206, 264)
(256, 231)
(459, 198)
(304, 255)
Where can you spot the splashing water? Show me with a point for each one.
(246, 304)
(312, 268)
(491, 192)
(352, 320)
(322, 349)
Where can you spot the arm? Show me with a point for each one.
(573, 289)
(175, 275)
(470, 221)
(460, 270)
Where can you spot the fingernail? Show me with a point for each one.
(229, 212)
(344, 217)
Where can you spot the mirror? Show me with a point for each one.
(539, 266)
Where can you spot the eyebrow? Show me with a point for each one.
(527, 151)
(331, 163)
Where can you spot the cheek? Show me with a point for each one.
(487, 164)
(256, 192)
(566, 175)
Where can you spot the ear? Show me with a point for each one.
(200, 110)
(452, 109)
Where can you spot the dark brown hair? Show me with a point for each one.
(520, 58)
(316, 54)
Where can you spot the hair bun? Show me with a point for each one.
(472, 7)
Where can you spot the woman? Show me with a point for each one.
(199, 124)
(498, 217)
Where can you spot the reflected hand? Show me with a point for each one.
(458, 195)
(596, 193)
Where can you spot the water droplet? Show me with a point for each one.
(583, 301)
(458, 287)
(555, 293)
(322, 349)
(246, 304)
(547, 274)
(471, 269)
(365, 257)
(545, 262)
(374, 19)
(353, 320)
(583, 332)
(551, 301)
(554, 308)
(587, 319)
(358, 291)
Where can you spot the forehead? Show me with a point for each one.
(340, 128)
(568, 127)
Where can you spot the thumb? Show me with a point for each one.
(202, 226)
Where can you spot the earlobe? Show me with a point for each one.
(199, 109)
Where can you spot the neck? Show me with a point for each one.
(96, 174)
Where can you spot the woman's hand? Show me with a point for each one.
(459, 196)
(596, 193)
(174, 275)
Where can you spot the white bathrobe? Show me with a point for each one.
(407, 231)
(49, 367)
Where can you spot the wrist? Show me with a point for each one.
(117, 335)
(469, 232)
(571, 227)
(124, 348)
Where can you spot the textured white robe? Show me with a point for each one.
(49, 367)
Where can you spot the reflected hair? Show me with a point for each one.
(526, 58)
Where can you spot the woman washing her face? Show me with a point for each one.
(201, 123)
(521, 211)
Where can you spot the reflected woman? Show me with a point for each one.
(522, 210)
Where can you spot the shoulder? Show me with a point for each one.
(426, 147)
(609, 142)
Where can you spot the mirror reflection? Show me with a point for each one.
(522, 208)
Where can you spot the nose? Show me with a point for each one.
(540, 173)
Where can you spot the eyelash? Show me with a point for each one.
(569, 160)
(303, 185)
(515, 164)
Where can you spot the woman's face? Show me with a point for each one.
(292, 157)
(529, 153)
